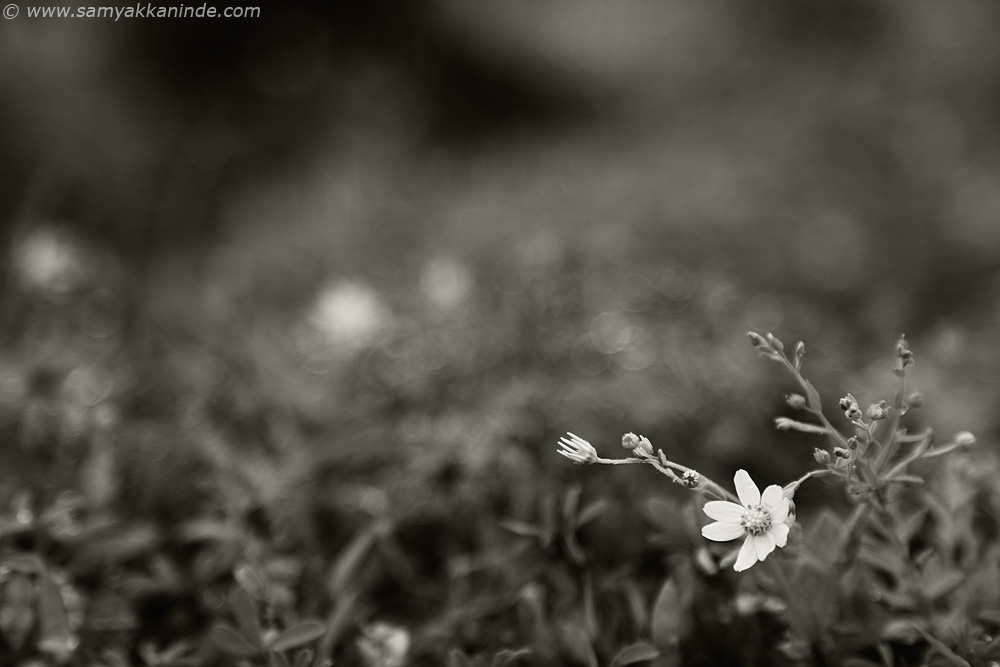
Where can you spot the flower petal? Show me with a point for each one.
(779, 532)
(745, 488)
(747, 557)
(725, 511)
(764, 545)
(771, 497)
(722, 532)
(780, 513)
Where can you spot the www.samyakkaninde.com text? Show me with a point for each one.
(143, 11)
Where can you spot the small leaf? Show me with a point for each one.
(577, 644)
(55, 636)
(670, 616)
(638, 652)
(245, 612)
(351, 558)
(507, 656)
(591, 512)
(571, 501)
(299, 634)
(520, 528)
(228, 639)
(942, 649)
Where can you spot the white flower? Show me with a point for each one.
(577, 450)
(761, 518)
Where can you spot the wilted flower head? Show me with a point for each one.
(760, 518)
(630, 441)
(577, 450)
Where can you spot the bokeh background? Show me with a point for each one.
(365, 262)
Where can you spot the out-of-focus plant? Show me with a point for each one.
(909, 570)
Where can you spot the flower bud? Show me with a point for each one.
(797, 401)
(852, 443)
(691, 479)
(903, 351)
(877, 411)
(822, 456)
(854, 413)
(776, 343)
(841, 453)
(800, 350)
(846, 402)
(630, 441)
(965, 440)
(757, 340)
(915, 400)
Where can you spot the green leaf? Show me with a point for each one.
(299, 634)
(244, 610)
(638, 652)
(669, 620)
(228, 639)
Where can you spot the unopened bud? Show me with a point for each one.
(630, 441)
(797, 401)
(854, 413)
(852, 443)
(644, 448)
(965, 440)
(775, 342)
(822, 456)
(915, 400)
(841, 453)
(800, 350)
(757, 340)
(903, 352)
(691, 479)
(877, 411)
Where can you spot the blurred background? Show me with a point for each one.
(369, 260)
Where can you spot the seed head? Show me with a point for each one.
(630, 441)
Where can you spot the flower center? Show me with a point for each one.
(756, 520)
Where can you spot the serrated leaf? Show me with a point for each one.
(244, 610)
(669, 620)
(299, 634)
(638, 652)
(230, 641)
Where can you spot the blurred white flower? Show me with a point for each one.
(347, 317)
(760, 518)
(384, 645)
(48, 261)
(577, 450)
